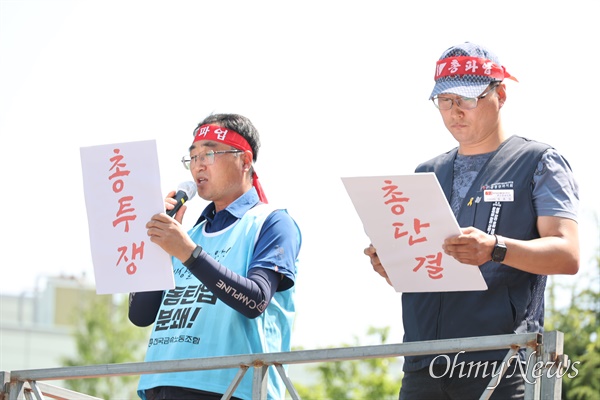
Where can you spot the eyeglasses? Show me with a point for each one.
(465, 103)
(207, 158)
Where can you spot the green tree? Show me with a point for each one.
(104, 335)
(579, 321)
(355, 379)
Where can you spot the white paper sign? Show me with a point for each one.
(407, 218)
(122, 191)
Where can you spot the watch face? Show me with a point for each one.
(499, 253)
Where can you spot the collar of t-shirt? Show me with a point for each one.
(221, 220)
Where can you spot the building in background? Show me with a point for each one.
(36, 329)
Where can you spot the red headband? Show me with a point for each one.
(232, 138)
(470, 66)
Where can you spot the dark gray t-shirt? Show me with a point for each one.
(555, 190)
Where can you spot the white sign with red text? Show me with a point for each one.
(122, 191)
(407, 218)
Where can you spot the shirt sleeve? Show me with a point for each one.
(555, 189)
(278, 246)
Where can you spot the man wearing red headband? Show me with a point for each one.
(516, 201)
(234, 271)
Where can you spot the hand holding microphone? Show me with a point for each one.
(185, 192)
(167, 232)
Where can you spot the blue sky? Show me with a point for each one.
(336, 88)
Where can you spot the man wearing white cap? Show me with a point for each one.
(516, 201)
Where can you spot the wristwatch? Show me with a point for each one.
(194, 256)
(499, 251)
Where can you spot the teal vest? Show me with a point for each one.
(196, 324)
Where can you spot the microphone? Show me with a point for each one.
(185, 192)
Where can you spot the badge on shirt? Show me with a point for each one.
(498, 195)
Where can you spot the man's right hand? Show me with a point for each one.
(170, 204)
(377, 267)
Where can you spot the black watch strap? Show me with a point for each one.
(194, 256)
(499, 251)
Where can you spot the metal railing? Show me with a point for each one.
(544, 366)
